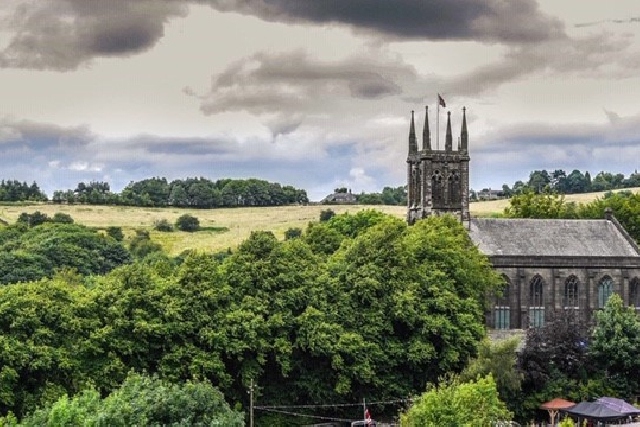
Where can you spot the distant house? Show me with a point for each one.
(489, 194)
(340, 198)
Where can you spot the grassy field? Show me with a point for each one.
(223, 228)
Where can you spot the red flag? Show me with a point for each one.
(441, 101)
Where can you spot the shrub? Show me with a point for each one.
(326, 215)
(62, 218)
(33, 219)
(116, 233)
(162, 225)
(292, 233)
(188, 223)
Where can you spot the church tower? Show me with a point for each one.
(438, 180)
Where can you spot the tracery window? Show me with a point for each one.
(453, 182)
(502, 309)
(634, 293)
(605, 288)
(536, 302)
(571, 286)
(436, 188)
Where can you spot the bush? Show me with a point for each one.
(162, 225)
(188, 223)
(292, 233)
(33, 219)
(116, 233)
(62, 218)
(326, 215)
(141, 245)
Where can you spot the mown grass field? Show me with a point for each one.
(223, 228)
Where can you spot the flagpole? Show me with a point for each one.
(438, 123)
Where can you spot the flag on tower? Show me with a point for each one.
(441, 101)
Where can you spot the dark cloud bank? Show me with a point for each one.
(64, 34)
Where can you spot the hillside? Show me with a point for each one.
(224, 227)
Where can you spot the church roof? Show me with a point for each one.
(550, 237)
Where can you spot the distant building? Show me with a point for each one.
(489, 194)
(548, 265)
(340, 198)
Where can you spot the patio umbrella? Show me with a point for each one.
(555, 405)
(595, 410)
(619, 405)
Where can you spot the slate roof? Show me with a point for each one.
(550, 237)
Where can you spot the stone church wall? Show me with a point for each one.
(553, 289)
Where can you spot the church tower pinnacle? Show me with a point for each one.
(413, 144)
(448, 142)
(426, 135)
(464, 135)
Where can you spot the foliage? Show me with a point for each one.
(326, 215)
(293, 233)
(457, 404)
(498, 359)
(115, 233)
(163, 225)
(62, 218)
(188, 223)
(559, 181)
(554, 362)
(625, 207)
(614, 346)
(141, 400)
(15, 191)
(33, 219)
(190, 192)
(37, 252)
(45, 345)
(531, 205)
(141, 245)
(378, 315)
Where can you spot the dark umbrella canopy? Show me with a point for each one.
(596, 411)
(619, 405)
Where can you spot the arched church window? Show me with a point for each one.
(436, 188)
(536, 302)
(634, 293)
(605, 289)
(571, 292)
(453, 182)
(502, 309)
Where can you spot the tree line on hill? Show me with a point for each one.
(190, 192)
(576, 182)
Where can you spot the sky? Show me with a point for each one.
(314, 94)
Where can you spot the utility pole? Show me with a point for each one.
(364, 411)
(251, 404)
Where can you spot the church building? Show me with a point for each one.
(548, 264)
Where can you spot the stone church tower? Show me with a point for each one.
(438, 180)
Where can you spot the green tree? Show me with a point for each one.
(614, 346)
(326, 215)
(188, 223)
(293, 233)
(498, 359)
(456, 404)
(162, 225)
(141, 400)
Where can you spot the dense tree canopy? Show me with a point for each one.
(32, 253)
(140, 401)
(360, 306)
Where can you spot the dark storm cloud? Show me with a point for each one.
(62, 34)
(38, 137)
(291, 81)
(488, 20)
